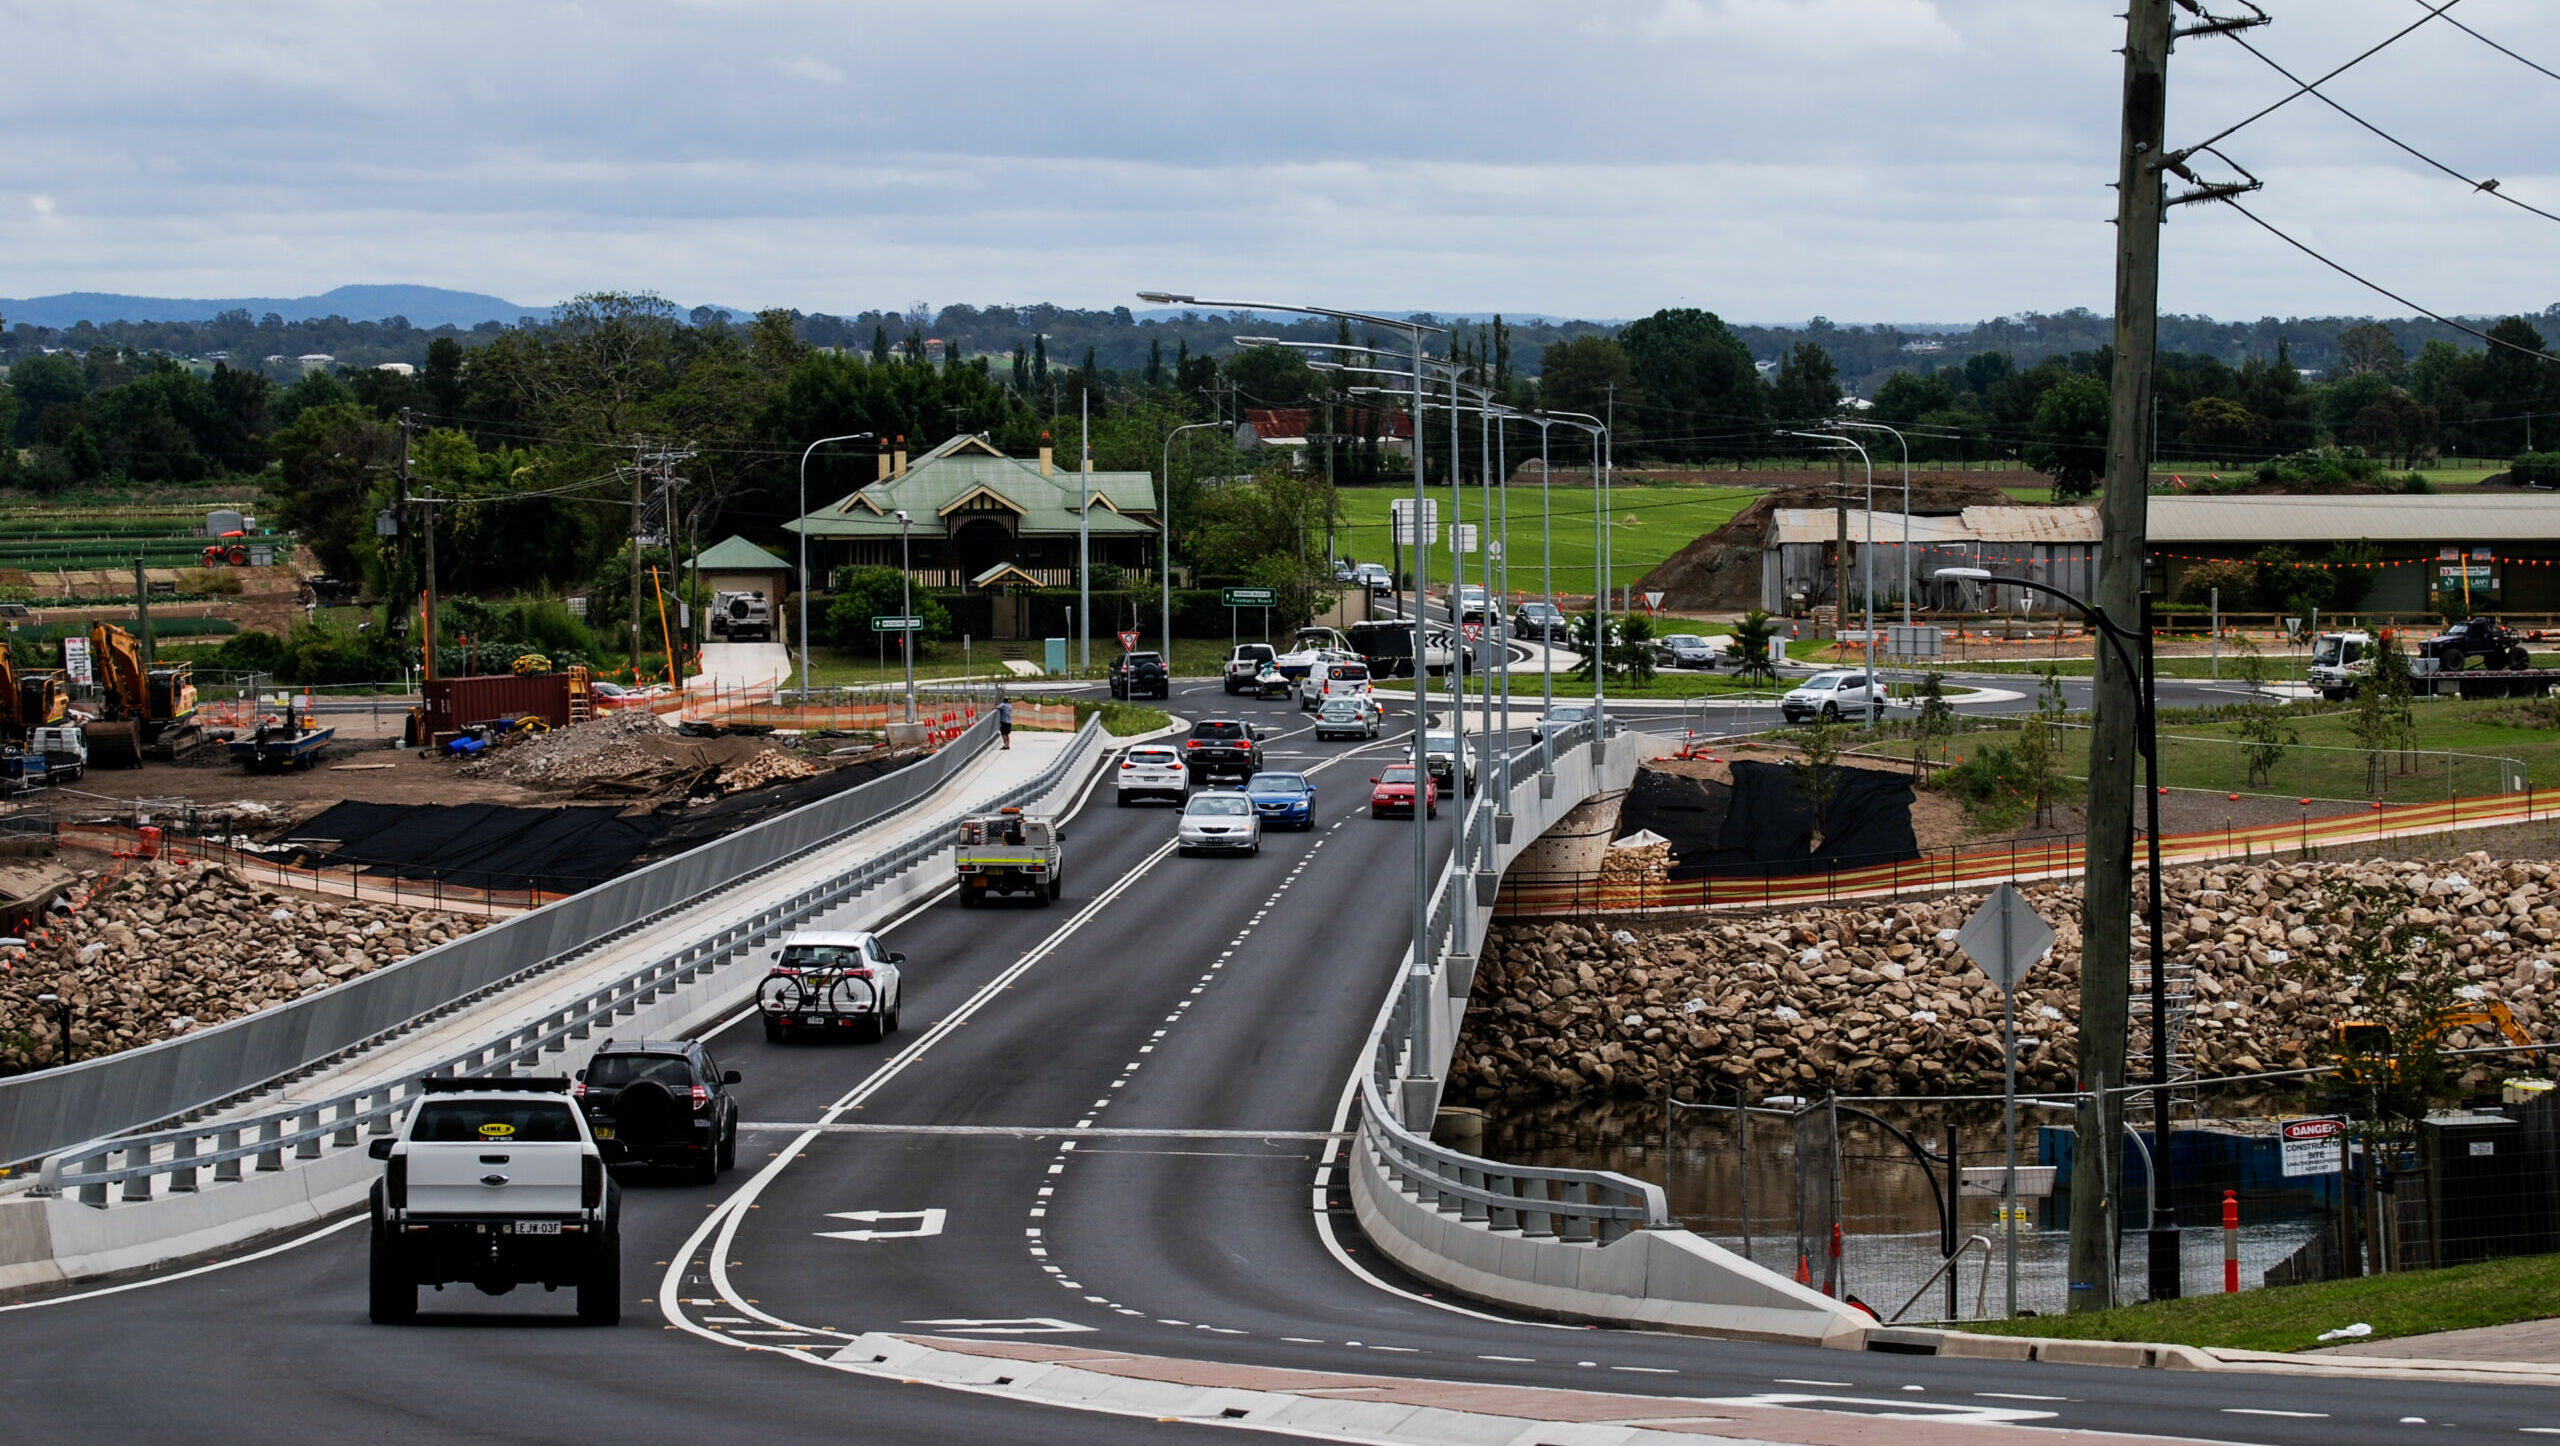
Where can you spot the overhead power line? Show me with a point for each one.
(2438, 10)
(2310, 87)
(2378, 288)
(2488, 187)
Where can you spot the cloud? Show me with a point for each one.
(810, 67)
(1866, 159)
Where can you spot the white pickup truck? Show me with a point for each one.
(1007, 852)
(497, 1183)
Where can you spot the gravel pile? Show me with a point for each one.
(1879, 1000)
(162, 948)
(615, 746)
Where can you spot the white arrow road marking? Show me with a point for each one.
(1897, 1410)
(1037, 1325)
(928, 1222)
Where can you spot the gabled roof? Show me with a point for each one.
(736, 554)
(950, 474)
(1004, 572)
(973, 494)
(2358, 517)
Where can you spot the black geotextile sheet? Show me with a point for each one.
(557, 850)
(1762, 826)
(478, 845)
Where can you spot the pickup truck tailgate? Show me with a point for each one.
(534, 1179)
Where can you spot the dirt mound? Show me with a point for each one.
(635, 755)
(1720, 572)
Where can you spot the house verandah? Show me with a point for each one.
(984, 522)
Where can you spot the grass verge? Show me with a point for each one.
(2493, 1292)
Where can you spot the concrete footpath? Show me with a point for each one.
(48, 1238)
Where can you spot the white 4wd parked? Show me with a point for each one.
(1152, 770)
(1832, 697)
(497, 1183)
(1245, 665)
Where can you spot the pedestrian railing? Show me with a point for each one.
(1415, 1033)
(49, 1110)
(140, 1167)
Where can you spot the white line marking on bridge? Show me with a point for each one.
(2266, 1411)
(927, 1223)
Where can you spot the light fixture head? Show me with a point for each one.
(1963, 574)
(1164, 298)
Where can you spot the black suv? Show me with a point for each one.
(1222, 745)
(1541, 620)
(661, 1102)
(1140, 675)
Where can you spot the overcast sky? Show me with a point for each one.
(1901, 160)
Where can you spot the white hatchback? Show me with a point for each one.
(1152, 770)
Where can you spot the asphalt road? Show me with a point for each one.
(1222, 1000)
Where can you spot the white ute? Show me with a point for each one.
(497, 1183)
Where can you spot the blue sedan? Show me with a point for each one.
(1282, 799)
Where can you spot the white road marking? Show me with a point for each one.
(2265, 1411)
(1647, 1370)
(1797, 1381)
(1515, 1360)
(2016, 1396)
(927, 1223)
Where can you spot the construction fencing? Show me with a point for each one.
(1555, 895)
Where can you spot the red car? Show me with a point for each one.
(1393, 793)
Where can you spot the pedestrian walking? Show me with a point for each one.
(1004, 720)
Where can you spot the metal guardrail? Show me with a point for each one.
(48, 1111)
(308, 1127)
(1591, 1207)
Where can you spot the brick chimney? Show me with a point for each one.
(1045, 462)
(898, 466)
(880, 449)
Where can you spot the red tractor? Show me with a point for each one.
(230, 550)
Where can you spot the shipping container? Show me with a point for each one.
(456, 703)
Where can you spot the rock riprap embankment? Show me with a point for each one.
(162, 948)
(1877, 999)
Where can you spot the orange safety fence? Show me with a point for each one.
(1552, 895)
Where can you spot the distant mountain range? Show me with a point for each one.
(424, 306)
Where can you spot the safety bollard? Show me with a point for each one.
(2230, 1242)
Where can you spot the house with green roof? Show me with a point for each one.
(981, 520)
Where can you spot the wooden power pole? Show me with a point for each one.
(2106, 948)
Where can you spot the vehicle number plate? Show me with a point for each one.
(604, 1132)
(537, 1227)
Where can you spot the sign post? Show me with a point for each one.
(1248, 597)
(2005, 937)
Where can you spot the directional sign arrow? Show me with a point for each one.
(1038, 1325)
(927, 1222)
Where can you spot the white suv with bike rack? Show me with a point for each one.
(826, 982)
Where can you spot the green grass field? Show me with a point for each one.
(2291, 1318)
(1649, 524)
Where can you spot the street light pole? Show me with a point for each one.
(1165, 525)
(1906, 508)
(2164, 1242)
(907, 610)
(1420, 1006)
(1867, 547)
(1084, 540)
(804, 551)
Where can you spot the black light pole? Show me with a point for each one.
(2163, 1234)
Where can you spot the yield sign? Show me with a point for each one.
(1128, 639)
(927, 1222)
(2006, 936)
(1475, 631)
(1653, 602)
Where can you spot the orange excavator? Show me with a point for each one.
(29, 698)
(145, 712)
(2366, 1054)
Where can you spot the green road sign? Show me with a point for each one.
(897, 625)
(1250, 597)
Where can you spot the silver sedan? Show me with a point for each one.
(1218, 823)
